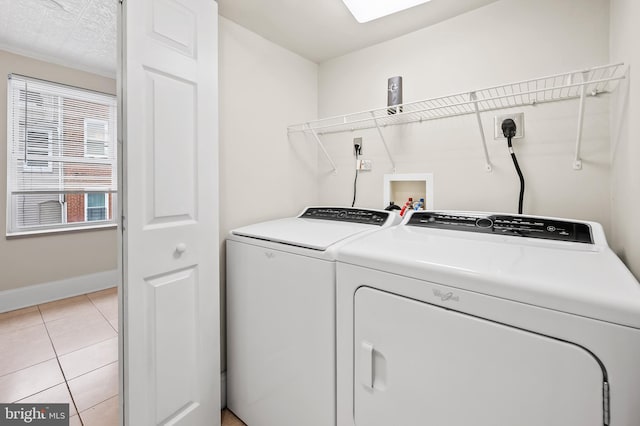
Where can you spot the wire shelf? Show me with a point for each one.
(553, 88)
(571, 85)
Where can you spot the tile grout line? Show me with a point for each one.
(117, 332)
(101, 402)
(32, 365)
(102, 313)
(35, 393)
(64, 376)
(38, 363)
(85, 347)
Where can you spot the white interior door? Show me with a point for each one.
(170, 260)
(418, 364)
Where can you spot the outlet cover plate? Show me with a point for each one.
(518, 118)
(364, 165)
(357, 142)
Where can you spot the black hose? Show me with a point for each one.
(355, 181)
(517, 166)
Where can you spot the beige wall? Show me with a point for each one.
(263, 175)
(625, 135)
(263, 89)
(32, 260)
(503, 42)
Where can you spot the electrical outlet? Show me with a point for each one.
(518, 118)
(357, 146)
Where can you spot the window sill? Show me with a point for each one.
(64, 230)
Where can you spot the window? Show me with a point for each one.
(96, 138)
(96, 206)
(61, 162)
(38, 151)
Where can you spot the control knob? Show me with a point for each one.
(484, 222)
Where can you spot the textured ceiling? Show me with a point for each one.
(78, 33)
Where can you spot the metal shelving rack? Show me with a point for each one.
(570, 85)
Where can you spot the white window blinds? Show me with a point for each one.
(61, 147)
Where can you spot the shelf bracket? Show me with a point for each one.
(487, 164)
(321, 145)
(384, 141)
(577, 162)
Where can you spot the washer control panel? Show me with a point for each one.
(522, 226)
(343, 214)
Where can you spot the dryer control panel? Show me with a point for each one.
(522, 226)
(344, 214)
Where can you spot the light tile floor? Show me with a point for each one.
(64, 351)
(67, 352)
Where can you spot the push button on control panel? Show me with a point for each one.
(484, 222)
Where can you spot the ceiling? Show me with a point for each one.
(324, 29)
(83, 33)
(77, 33)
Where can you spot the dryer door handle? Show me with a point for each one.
(366, 364)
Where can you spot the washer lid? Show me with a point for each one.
(317, 228)
(307, 233)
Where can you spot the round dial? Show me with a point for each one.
(484, 222)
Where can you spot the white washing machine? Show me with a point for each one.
(281, 314)
(469, 319)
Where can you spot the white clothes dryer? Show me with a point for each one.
(474, 319)
(281, 314)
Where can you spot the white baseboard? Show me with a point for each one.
(223, 389)
(47, 292)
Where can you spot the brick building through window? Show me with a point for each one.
(62, 164)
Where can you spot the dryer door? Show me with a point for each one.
(419, 364)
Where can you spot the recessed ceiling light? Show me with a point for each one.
(368, 10)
